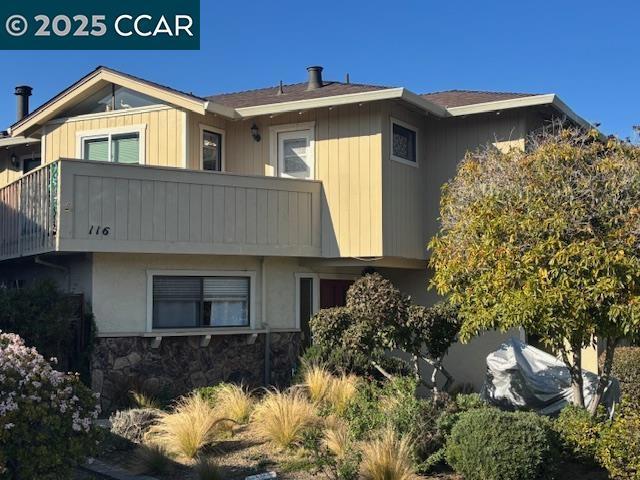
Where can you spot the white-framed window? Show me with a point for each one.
(404, 142)
(200, 300)
(292, 150)
(212, 149)
(118, 145)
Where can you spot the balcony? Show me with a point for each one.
(79, 206)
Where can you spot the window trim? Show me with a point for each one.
(274, 160)
(109, 132)
(201, 129)
(392, 121)
(251, 274)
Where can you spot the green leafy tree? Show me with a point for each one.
(547, 239)
(379, 318)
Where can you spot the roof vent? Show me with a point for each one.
(23, 92)
(315, 78)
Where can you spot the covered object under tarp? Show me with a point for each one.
(522, 377)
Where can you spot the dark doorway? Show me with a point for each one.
(333, 293)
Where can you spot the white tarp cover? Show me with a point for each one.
(522, 377)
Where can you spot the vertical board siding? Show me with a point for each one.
(163, 135)
(412, 195)
(347, 161)
(149, 210)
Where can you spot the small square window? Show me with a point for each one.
(404, 143)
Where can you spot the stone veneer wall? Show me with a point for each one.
(122, 364)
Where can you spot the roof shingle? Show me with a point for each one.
(459, 98)
(293, 92)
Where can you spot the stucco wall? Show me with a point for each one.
(120, 286)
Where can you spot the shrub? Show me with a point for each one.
(192, 425)
(145, 400)
(488, 444)
(386, 458)
(152, 459)
(579, 432)
(336, 437)
(46, 416)
(133, 424)
(626, 368)
(282, 417)
(619, 447)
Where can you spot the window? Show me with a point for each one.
(29, 163)
(192, 301)
(211, 148)
(124, 145)
(404, 142)
(292, 150)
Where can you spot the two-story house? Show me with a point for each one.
(205, 231)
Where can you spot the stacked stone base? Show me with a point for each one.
(122, 364)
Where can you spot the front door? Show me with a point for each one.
(333, 293)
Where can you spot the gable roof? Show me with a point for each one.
(290, 93)
(459, 98)
(294, 97)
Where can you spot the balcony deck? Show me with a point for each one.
(79, 206)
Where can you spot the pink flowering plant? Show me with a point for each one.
(46, 416)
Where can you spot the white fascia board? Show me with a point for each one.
(532, 101)
(14, 141)
(221, 110)
(424, 104)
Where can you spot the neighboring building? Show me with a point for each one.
(204, 231)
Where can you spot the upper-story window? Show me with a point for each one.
(122, 145)
(292, 150)
(404, 142)
(30, 162)
(211, 148)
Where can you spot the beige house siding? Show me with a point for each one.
(164, 145)
(347, 161)
(412, 194)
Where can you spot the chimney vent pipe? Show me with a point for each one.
(23, 92)
(315, 78)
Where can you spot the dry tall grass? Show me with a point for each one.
(152, 459)
(387, 458)
(192, 425)
(341, 392)
(282, 417)
(207, 469)
(336, 437)
(234, 402)
(318, 381)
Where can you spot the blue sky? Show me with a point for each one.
(585, 51)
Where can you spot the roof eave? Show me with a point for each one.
(522, 102)
(337, 100)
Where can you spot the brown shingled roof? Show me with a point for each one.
(459, 98)
(293, 92)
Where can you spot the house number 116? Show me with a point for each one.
(97, 230)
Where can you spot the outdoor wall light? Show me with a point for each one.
(255, 133)
(14, 159)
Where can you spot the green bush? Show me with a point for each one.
(46, 416)
(579, 432)
(619, 447)
(626, 368)
(489, 444)
(394, 404)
